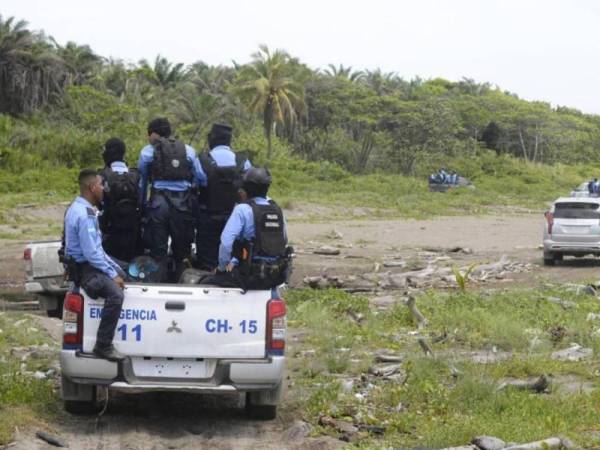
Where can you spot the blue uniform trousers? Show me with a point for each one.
(98, 284)
(208, 238)
(169, 214)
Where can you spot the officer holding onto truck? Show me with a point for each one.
(172, 169)
(120, 218)
(253, 248)
(88, 265)
(218, 195)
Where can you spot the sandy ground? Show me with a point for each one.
(159, 421)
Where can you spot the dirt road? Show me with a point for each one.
(159, 421)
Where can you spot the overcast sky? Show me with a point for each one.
(541, 50)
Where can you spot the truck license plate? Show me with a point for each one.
(173, 368)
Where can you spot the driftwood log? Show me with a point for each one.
(418, 317)
(540, 385)
(552, 443)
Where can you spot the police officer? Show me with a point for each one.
(87, 263)
(171, 169)
(218, 195)
(254, 242)
(120, 217)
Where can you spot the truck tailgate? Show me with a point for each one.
(185, 322)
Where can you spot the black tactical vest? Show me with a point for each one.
(170, 161)
(220, 194)
(121, 200)
(269, 240)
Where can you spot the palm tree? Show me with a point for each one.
(167, 74)
(271, 88)
(30, 70)
(383, 82)
(344, 72)
(80, 60)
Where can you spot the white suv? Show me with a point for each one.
(572, 228)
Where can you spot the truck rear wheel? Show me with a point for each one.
(56, 312)
(261, 412)
(262, 405)
(79, 398)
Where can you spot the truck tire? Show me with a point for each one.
(262, 405)
(261, 412)
(79, 399)
(56, 312)
(52, 304)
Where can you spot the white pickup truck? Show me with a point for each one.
(45, 276)
(176, 337)
(189, 338)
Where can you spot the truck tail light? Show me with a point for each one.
(276, 326)
(550, 219)
(27, 254)
(73, 319)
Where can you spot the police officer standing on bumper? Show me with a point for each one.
(120, 218)
(87, 263)
(171, 168)
(218, 195)
(254, 242)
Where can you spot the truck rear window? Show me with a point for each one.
(576, 211)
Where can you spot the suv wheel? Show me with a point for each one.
(549, 259)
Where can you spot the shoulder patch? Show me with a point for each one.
(90, 211)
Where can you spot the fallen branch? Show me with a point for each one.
(382, 357)
(50, 439)
(347, 429)
(425, 346)
(552, 443)
(416, 314)
(357, 317)
(385, 370)
(542, 384)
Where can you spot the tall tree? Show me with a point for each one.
(80, 61)
(344, 72)
(30, 71)
(271, 87)
(167, 73)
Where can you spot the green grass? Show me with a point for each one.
(502, 184)
(442, 410)
(24, 401)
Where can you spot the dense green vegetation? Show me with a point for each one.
(59, 103)
(450, 398)
(24, 399)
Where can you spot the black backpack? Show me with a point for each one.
(268, 228)
(170, 161)
(121, 200)
(220, 194)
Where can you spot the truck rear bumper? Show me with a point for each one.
(249, 375)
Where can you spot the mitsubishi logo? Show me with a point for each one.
(173, 327)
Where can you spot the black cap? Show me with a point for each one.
(114, 150)
(258, 176)
(160, 126)
(220, 134)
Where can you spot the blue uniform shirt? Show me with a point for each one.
(119, 167)
(146, 158)
(223, 157)
(83, 241)
(239, 226)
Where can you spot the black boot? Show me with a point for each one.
(109, 353)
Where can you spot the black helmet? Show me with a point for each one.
(257, 176)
